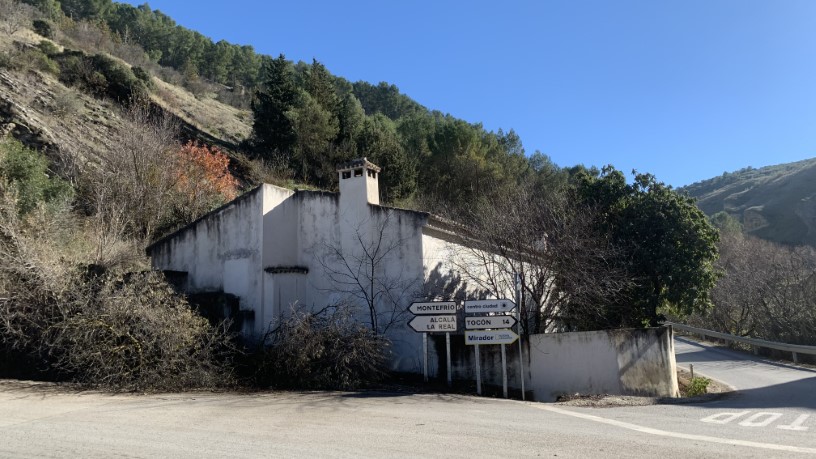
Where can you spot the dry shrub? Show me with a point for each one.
(324, 350)
(14, 16)
(98, 327)
(136, 333)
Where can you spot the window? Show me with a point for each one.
(358, 172)
(372, 173)
(346, 174)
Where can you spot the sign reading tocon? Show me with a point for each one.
(480, 323)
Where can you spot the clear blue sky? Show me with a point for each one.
(684, 89)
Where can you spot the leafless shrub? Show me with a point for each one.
(14, 16)
(135, 333)
(67, 103)
(99, 328)
(136, 177)
(324, 350)
(767, 291)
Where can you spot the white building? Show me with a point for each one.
(276, 249)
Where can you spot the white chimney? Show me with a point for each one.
(359, 182)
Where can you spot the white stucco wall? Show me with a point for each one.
(220, 252)
(622, 362)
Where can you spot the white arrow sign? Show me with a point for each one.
(490, 337)
(478, 323)
(428, 324)
(433, 307)
(474, 306)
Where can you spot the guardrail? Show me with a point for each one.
(794, 349)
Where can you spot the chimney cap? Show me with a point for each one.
(358, 162)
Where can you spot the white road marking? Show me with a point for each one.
(666, 433)
(769, 418)
(797, 424)
(724, 418)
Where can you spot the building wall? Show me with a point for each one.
(220, 252)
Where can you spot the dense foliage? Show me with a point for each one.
(667, 247)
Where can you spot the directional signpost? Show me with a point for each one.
(433, 307)
(490, 337)
(434, 316)
(429, 324)
(480, 323)
(489, 329)
(484, 306)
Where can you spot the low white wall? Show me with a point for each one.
(619, 362)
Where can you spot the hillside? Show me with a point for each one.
(774, 202)
(40, 110)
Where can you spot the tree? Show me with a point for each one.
(273, 130)
(320, 85)
(315, 128)
(767, 291)
(379, 142)
(203, 182)
(359, 270)
(668, 247)
(560, 258)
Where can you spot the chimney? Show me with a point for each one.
(359, 182)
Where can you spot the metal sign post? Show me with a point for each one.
(478, 371)
(447, 346)
(434, 316)
(504, 371)
(425, 355)
(521, 335)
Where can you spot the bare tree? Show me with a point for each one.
(767, 291)
(129, 188)
(360, 271)
(551, 244)
(14, 16)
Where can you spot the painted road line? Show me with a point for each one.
(666, 433)
(759, 419)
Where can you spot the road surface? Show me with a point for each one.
(772, 416)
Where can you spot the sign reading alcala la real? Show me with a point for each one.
(430, 324)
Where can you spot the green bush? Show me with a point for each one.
(43, 28)
(48, 48)
(697, 386)
(122, 83)
(143, 76)
(26, 172)
(102, 76)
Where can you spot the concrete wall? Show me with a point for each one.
(618, 362)
(622, 362)
(220, 252)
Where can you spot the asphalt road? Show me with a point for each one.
(772, 416)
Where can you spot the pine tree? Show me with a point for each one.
(273, 130)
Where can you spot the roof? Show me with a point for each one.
(359, 162)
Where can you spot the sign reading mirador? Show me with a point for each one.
(490, 337)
